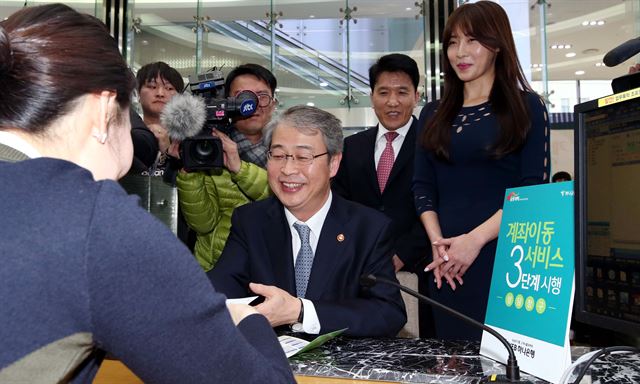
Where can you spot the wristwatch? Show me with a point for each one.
(297, 326)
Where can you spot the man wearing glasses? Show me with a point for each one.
(305, 249)
(207, 199)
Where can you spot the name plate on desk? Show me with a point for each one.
(532, 285)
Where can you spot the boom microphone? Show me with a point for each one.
(183, 116)
(513, 371)
(622, 52)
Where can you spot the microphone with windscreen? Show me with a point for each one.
(622, 52)
(183, 116)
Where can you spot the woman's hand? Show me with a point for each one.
(231, 157)
(461, 252)
(440, 257)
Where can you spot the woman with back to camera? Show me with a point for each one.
(489, 132)
(85, 271)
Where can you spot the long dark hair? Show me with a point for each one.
(51, 55)
(488, 23)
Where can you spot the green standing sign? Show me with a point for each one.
(532, 284)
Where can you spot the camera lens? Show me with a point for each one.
(204, 150)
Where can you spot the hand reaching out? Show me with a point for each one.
(279, 307)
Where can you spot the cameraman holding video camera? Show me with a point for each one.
(207, 198)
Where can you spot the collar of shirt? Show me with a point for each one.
(314, 223)
(381, 141)
(16, 142)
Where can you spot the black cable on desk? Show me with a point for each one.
(603, 351)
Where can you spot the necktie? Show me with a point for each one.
(304, 260)
(386, 160)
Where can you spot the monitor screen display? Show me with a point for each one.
(608, 212)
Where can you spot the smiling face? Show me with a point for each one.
(154, 94)
(472, 61)
(302, 189)
(393, 98)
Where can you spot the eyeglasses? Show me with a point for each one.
(300, 158)
(264, 100)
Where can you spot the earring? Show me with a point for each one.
(102, 137)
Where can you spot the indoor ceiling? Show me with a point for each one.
(619, 22)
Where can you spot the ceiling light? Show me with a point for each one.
(570, 54)
(323, 84)
(591, 23)
(599, 64)
(407, 9)
(579, 73)
(312, 16)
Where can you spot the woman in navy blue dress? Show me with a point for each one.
(489, 132)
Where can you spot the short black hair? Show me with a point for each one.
(256, 70)
(561, 175)
(151, 71)
(394, 62)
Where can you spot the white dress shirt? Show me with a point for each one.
(310, 323)
(381, 140)
(16, 142)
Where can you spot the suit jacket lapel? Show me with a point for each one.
(331, 246)
(406, 151)
(278, 239)
(370, 173)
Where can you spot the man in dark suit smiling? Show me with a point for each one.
(305, 249)
(377, 164)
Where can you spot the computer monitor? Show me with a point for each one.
(607, 161)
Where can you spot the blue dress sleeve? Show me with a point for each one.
(424, 184)
(535, 156)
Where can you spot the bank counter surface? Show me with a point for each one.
(347, 360)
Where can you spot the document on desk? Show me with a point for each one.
(242, 300)
(294, 345)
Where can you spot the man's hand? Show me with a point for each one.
(397, 263)
(230, 155)
(240, 311)
(279, 307)
(174, 149)
(162, 135)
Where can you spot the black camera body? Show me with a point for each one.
(203, 151)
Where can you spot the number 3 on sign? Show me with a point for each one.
(519, 249)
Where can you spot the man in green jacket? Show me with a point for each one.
(207, 199)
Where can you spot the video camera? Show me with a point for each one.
(201, 151)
